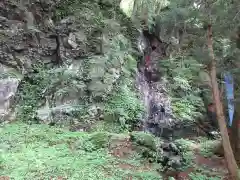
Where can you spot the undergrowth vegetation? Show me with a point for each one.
(41, 152)
(98, 90)
(124, 107)
(105, 81)
(182, 74)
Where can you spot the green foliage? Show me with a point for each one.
(124, 106)
(198, 176)
(143, 139)
(91, 82)
(46, 86)
(209, 147)
(107, 126)
(69, 7)
(30, 94)
(144, 10)
(49, 152)
(187, 147)
(182, 75)
(99, 139)
(148, 176)
(40, 152)
(146, 145)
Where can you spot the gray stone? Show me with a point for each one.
(68, 20)
(47, 114)
(72, 41)
(19, 48)
(80, 37)
(3, 19)
(8, 89)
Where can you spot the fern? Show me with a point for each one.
(186, 103)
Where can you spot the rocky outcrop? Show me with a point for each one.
(169, 155)
(152, 86)
(29, 36)
(70, 54)
(8, 89)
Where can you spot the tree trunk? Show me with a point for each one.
(234, 131)
(228, 153)
(234, 136)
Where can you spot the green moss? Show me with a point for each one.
(107, 125)
(208, 147)
(100, 139)
(143, 139)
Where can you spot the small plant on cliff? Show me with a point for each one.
(182, 74)
(30, 94)
(125, 107)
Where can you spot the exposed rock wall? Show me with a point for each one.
(82, 50)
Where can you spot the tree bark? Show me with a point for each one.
(228, 152)
(234, 136)
(234, 131)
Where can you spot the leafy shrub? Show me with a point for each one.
(145, 145)
(99, 139)
(125, 107)
(182, 74)
(143, 139)
(186, 146)
(198, 176)
(30, 94)
(208, 147)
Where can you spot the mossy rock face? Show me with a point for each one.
(143, 139)
(100, 139)
(146, 146)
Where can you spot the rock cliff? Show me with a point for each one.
(68, 57)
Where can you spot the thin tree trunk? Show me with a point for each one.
(228, 153)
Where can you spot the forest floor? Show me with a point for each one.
(42, 152)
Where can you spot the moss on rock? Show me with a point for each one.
(143, 139)
(100, 139)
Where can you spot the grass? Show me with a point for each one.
(208, 147)
(40, 152)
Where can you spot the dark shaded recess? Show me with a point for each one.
(57, 60)
(150, 36)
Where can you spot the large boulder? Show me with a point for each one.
(169, 155)
(8, 89)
